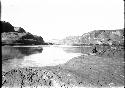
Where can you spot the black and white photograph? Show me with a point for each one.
(62, 43)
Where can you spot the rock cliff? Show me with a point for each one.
(18, 36)
(99, 37)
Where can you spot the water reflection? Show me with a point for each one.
(51, 56)
(12, 57)
(19, 52)
(79, 49)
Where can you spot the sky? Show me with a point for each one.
(56, 19)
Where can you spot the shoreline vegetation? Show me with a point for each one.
(103, 66)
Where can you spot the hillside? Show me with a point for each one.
(110, 37)
(18, 36)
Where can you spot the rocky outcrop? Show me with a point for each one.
(109, 37)
(18, 36)
(100, 37)
(108, 51)
(19, 29)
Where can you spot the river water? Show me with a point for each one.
(38, 56)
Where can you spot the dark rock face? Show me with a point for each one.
(0, 10)
(18, 36)
(100, 37)
(7, 27)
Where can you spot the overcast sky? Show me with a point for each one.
(56, 19)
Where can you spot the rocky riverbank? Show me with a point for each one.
(108, 51)
(83, 71)
(35, 77)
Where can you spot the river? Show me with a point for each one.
(39, 56)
